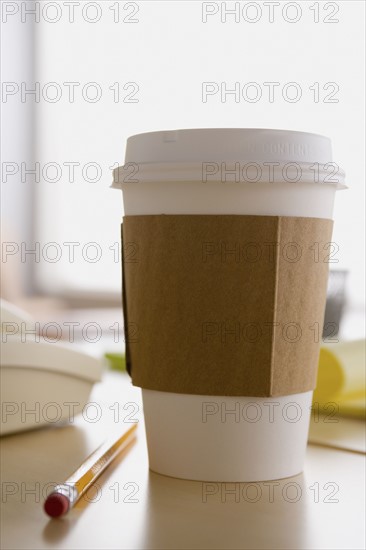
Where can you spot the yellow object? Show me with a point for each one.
(341, 378)
(96, 463)
(116, 361)
(80, 481)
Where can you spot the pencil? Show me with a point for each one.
(65, 495)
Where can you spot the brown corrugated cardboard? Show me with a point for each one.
(224, 304)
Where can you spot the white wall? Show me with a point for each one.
(17, 146)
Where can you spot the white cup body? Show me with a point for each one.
(220, 438)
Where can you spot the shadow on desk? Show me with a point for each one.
(191, 514)
(55, 531)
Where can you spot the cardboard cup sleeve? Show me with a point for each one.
(229, 305)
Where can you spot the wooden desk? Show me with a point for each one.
(134, 508)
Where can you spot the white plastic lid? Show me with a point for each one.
(228, 144)
(178, 155)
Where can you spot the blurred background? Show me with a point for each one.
(83, 76)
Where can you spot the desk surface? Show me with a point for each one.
(133, 508)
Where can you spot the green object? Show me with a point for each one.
(116, 361)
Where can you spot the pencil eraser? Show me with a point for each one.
(56, 505)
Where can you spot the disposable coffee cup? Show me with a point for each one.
(246, 172)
